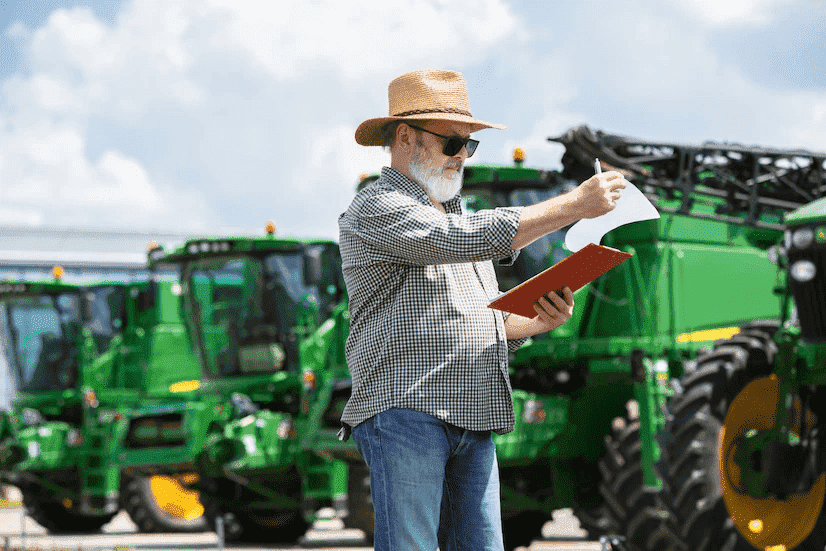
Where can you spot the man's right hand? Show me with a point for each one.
(593, 197)
(598, 194)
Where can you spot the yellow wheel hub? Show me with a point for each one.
(767, 523)
(174, 498)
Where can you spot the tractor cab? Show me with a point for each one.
(50, 330)
(250, 302)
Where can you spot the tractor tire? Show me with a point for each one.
(258, 526)
(154, 510)
(58, 520)
(628, 508)
(698, 516)
(596, 521)
(360, 512)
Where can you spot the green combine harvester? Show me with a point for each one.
(589, 397)
(84, 358)
(745, 439)
(267, 319)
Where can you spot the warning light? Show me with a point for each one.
(270, 228)
(519, 155)
(286, 430)
(57, 272)
(91, 398)
(309, 380)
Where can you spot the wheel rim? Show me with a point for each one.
(767, 523)
(174, 498)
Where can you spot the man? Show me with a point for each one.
(428, 358)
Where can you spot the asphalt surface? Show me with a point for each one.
(19, 531)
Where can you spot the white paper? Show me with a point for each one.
(632, 206)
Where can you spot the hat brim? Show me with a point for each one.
(370, 131)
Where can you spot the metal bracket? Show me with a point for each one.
(612, 543)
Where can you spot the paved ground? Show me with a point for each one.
(17, 530)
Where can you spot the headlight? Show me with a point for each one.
(774, 254)
(803, 271)
(286, 430)
(803, 237)
(243, 403)
(31, 417)
(74, 438)
(534, 412)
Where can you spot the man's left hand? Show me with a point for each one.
(552, 311)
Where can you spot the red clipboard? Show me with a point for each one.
(574, 271)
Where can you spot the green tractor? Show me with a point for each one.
(745, 439)
(589, 396)
(83, 358)
(267, 318)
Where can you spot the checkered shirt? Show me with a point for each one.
(421, 334)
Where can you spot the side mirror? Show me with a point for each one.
(148, 296)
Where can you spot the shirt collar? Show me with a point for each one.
(405, 184)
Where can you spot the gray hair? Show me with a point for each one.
(389, 134)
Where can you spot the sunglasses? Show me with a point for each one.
(454, 144)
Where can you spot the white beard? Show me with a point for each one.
(438, 186)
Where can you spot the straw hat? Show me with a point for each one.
(424, 95)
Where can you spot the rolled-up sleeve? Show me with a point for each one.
(397, 228)
(514, 344)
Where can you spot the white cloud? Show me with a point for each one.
(18, 30)
(337, 151)
(46, 177)
(208, 113)
(732, 13)
(356, 39)
(202, 85)
(325, 181)
(26, 217)
(806, 126)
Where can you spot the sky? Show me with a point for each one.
(216, 116)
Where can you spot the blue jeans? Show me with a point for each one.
(432, 483)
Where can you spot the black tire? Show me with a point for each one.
(697, 512)
(142, 507)
(259, 527)
(523, 528)
(55, 518)
(255, 526)
(360, 512)
(596, 521)
(633, 507)
(628, 508)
